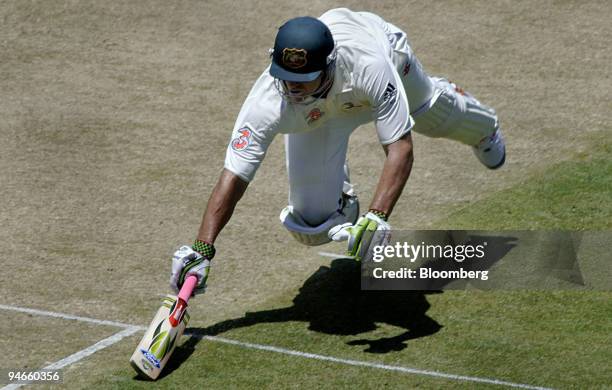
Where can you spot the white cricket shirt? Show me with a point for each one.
(366, 88)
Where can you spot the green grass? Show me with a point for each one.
(557, 339)
(573, 195)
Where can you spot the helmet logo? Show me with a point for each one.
(294, 58)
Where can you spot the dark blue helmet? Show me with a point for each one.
(303, 49)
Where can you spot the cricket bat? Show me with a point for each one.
(167, 327)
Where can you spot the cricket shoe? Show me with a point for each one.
(491, 150)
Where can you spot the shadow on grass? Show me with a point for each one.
(331, 302)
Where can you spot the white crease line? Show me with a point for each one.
(64, 316)
(107, 342)
(75, 357)
(371, 365)
(131, 329)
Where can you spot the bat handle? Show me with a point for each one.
(188, 287)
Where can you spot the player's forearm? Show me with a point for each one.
(223, 200)
(396, 171)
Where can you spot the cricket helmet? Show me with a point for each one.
(303, 50)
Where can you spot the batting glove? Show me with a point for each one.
(369, 231)
(187, 261)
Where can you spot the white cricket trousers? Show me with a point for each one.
(315, 167)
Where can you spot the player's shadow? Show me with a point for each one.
(331, 301)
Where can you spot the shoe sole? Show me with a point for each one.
(499, 164)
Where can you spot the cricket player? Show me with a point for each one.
(327, 76)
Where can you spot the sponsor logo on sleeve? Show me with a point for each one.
(242, 140)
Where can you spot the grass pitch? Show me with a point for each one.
(573, 195)
(115, 119)
(543, 338)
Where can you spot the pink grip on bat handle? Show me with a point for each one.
(188, 287)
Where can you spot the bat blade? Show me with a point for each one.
(164, 332)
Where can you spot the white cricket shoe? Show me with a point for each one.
(491, 150)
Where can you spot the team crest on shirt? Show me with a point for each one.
(314, 115)
(294, 58)
(242, 140)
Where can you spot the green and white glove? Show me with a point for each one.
(191, 261)
(369, 231)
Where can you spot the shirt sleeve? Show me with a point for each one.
(247, 149)
(390, 110)
(255, 128)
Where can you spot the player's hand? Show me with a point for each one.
(187, 261)
(369, 231)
